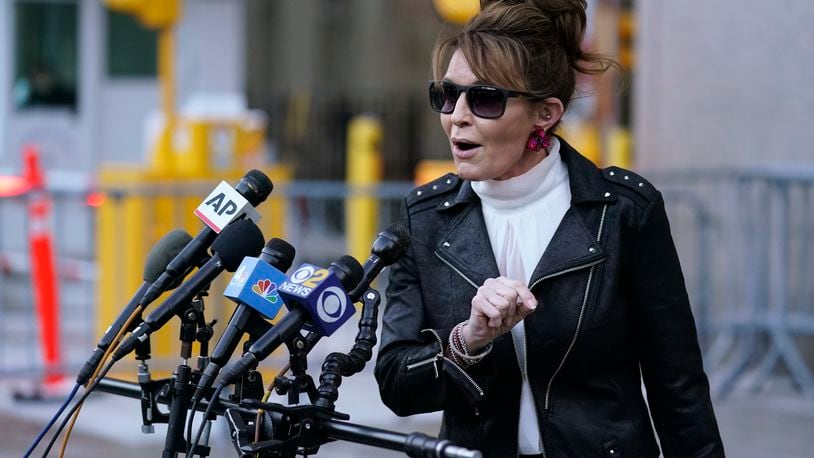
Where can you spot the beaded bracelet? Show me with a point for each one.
(459, 350)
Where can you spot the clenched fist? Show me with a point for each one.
(499, 304)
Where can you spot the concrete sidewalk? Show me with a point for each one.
(758, 426)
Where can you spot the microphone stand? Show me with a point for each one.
(150, 413)
(176, 392)
(297, 429)
(193, 327)
(301, 431)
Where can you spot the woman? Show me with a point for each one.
(539, 290)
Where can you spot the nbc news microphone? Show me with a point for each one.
(236, 241)
(164, 251)
(221, 207)
(254, 288)
(316, 300)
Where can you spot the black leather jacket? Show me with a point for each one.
(614, 310)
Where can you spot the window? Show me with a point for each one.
(46, 54)
(131, 47)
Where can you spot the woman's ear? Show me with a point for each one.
(550, 112)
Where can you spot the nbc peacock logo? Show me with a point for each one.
(266, 289)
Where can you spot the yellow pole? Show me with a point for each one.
(163, 157)
(584, 136)
(364, 170)
(619, 147)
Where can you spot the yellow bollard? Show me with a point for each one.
(364, 170)
(428, 170)
(192, 157)
(619, 147)
(583, 136)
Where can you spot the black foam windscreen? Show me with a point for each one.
(279, 253)
(164, 251)
(349, 271)
(391, 243)
(255, 186)
(236, 241)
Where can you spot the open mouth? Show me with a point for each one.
(466, 146)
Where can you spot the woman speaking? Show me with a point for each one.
(540, 291)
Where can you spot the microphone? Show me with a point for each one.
(316, 299)
(256, 280)
(389, 246)
(221, 207)
(160, 255)
(237, 240)
(254, 288)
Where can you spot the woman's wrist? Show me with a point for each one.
(473, 344)
(459, 350)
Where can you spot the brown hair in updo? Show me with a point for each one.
(531, 46)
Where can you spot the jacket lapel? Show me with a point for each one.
(466, 246)
(571, 246)
(574, 243)
(467, 249)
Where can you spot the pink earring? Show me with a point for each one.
(538, 140)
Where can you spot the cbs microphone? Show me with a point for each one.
(316, 299)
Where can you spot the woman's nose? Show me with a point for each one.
(461, 114)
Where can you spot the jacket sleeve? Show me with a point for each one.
(412, 373)
(670, 357)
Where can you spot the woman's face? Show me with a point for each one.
(485, 149)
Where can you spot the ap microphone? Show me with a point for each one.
(316, 299)
(223, 206)
(237, 240)
(157, 260)
(389, 246)
(254, 288)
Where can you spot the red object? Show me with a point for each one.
(43, 266)
(95, 199)
(31, 167)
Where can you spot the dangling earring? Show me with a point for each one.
(538, 140)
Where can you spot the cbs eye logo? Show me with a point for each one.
(331, 304)
(309, 276)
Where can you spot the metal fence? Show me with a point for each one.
(742, 236)
(314, 224)
(73, 228)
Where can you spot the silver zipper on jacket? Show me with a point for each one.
(433, 360)
(456, 270)
(439, 357)
(581, 311)
(573, 341)
(524, 370)
(460, 369)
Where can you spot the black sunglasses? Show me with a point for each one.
(485, 101)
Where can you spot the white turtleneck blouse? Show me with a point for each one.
(521, 214)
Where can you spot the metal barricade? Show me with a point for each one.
(73, 228)
(746, 256)
(742, 236)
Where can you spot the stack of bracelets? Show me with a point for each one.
(458, 351)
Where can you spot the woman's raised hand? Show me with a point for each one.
(499, 304)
